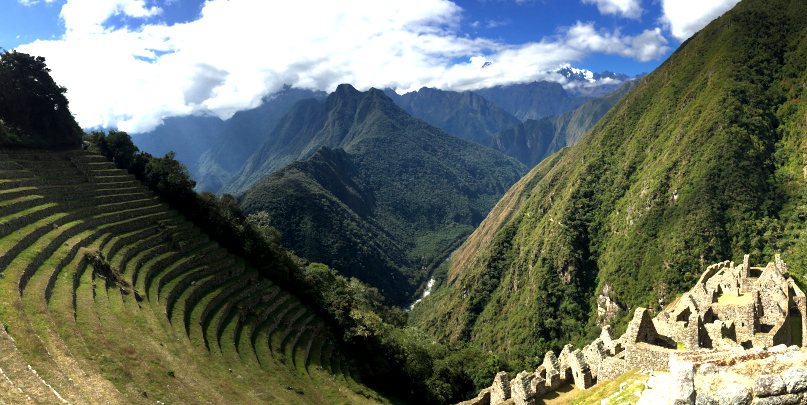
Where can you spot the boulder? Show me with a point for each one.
(795, 380)
(767, 385)
(704, 399)
(734, 394)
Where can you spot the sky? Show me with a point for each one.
(129, 64)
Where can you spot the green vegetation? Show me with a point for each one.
(701, 162)
(635, 380)
(214, 150)
(33, 108)
(397, 360)
(390, 203)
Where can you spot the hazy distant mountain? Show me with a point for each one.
(213, 149)
(188, 136)
(380, 195)
(532, 100)
(535, 140)
(244, 133)
(465, 114)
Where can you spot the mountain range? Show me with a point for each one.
(371, 190)
(702, 161)
(212, 149)
(215, 151)
(534, 140)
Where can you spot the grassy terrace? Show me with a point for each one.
(107, 296)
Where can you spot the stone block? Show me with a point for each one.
(682, 387)
(704, 399)
(787, 399)
(500, 390)
(734, 394)
(767, 385)
(795, 380)
(521, 389)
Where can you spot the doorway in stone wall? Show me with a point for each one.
(796, 331)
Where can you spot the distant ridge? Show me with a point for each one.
(535, 140)
(466, 114)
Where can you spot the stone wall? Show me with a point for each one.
(611, 368)
(648, 357)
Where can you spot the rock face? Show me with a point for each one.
(795, 380)
(767, 385)
(683, 384)
(734, 394)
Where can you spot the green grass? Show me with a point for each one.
(729, 299)
(594, 395)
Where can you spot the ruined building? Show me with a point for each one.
(731, 308)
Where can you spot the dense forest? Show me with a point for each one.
(702, 162)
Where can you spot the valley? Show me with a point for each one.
(472, 233)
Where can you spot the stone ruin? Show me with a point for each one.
(731, 309)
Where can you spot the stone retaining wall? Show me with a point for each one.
(205, 287)
(219, 298)
(648, 357)
(203, 271)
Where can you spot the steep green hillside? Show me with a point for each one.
(390, 203)
(532, 100)
(535, 140)
(324, 210)
(703, 161)
(465, 114)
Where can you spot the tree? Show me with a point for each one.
(116, 146)
(32, 106)
(169, 178)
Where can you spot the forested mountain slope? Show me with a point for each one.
(385, 196)
(534, 140)
(466, 115)
(703, 161)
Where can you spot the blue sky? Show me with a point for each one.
(131, 63)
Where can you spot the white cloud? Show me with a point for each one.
(644, 47)
(686, 17)
(85, 17)
(239, 51)
(625, 8)
(497, 23)
(32, 2)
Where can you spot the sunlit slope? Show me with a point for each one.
(703, 161)
(109, 296)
